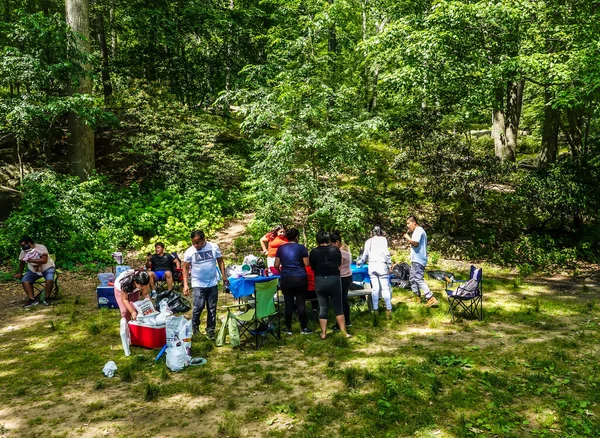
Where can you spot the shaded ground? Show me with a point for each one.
(529, 369)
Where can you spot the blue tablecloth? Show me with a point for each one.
(360, 274)
(244, 286)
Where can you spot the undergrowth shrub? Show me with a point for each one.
(83, 222)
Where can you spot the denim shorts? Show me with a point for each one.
(32, 277)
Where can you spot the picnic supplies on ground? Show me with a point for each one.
(177, 357)
(147, 336)
(105, 278)
(176, 302)
(144, 307)
(109, 369)
(125, 336)
(179, 328)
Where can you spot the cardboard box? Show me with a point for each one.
(147, 336)
(106, 297)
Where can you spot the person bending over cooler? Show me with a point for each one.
(128, 287)
(161, 267)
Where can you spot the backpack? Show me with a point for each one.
(401, 271)
(468, 290)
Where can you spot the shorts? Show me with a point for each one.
(160, 275)
(32, 277)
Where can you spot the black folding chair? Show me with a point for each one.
(469, 304)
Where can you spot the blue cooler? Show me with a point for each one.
(106, 297)
(121, 268)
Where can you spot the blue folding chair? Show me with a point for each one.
(467, 296)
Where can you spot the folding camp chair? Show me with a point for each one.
(470, 305)
(257, 322)
(39, 286)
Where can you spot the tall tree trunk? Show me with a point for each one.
(499, 125)
(113, 33)
(514, 104)
(575, 119)
(106, 83)
(81, 153)
(549, 147)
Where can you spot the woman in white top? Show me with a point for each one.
(128, 287)
(376, 251)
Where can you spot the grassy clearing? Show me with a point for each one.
(529, 369)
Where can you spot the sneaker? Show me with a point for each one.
(306, 331)
(45, 303)
(287, 331)
(153, 294)
(348, 324)
(31, 303)
(335, 328)
(432, 302)
(210, 335)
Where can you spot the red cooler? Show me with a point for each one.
(147, 336)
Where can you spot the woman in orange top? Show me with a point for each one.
(274, 239)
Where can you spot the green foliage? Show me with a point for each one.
(85, 222)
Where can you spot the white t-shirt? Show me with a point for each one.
(203, 263)
(376, 251)
(120, 277)
(42, 250)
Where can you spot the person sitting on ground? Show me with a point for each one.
(345, 273)
(418, 259)
(128, 287)
(376, 251)
(39, 264)
(271, 241)
(291, 259)
(161, 267)
(325, 260)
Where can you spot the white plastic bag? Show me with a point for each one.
(125, 336)
(110, 368)
(177, 357)
(179, 331)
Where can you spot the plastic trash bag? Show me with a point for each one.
(125, 336)
(106, 277)
(176, 302)
(177, 357)
(110, 368)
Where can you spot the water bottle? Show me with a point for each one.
(262, 272)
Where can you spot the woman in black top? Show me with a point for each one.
(325, 261)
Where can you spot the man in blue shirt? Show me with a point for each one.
(418, 258)
(200, 261)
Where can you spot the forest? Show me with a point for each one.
(126, 122)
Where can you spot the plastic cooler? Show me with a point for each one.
(147, 336)
(106, 297)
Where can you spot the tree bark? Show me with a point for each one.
(81, 154)
(499, 125)
(514, 104)
(106, 83)
(549, 147)
(575, 119)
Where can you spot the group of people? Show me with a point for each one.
(325, 272)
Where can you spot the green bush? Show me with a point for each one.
(83, 222)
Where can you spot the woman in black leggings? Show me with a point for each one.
(345, 273)
(291, 259)
(325, 261)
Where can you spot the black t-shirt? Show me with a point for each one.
(162, 263)
(325, 260)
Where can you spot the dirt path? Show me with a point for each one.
(234, 229)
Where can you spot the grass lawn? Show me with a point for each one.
(531, 368)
